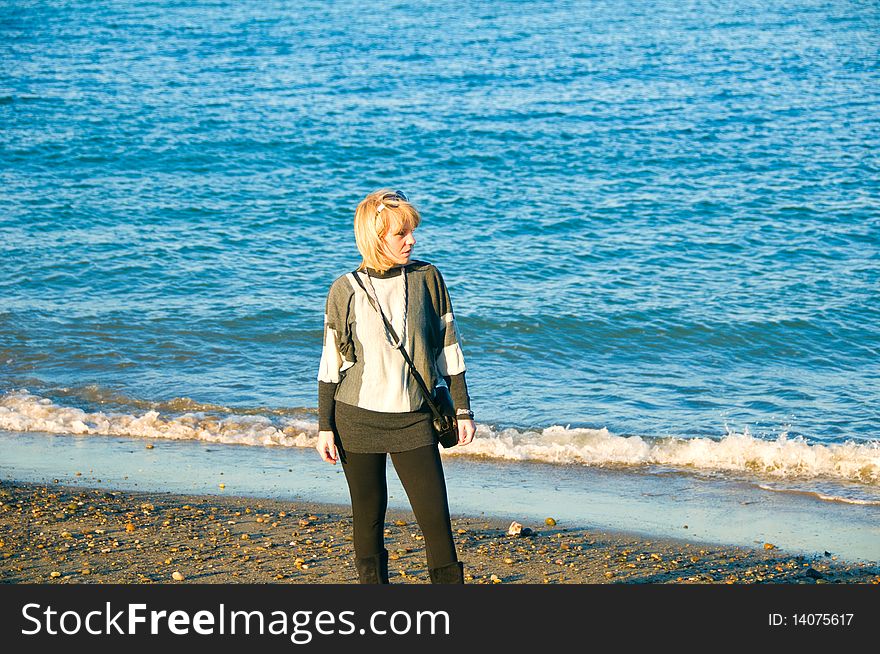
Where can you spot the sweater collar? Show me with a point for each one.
(394, 271)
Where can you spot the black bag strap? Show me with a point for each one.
(412, 368)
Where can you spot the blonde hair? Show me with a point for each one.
(371, 225)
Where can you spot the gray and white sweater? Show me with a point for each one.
(360, 365)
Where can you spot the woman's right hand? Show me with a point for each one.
(326, 446)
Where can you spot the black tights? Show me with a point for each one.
(421, 473)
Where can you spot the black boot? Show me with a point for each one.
(448, 574)
(373, 569)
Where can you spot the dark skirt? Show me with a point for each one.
(365, 431)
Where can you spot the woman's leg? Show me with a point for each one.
(365, 474)
(421, 473)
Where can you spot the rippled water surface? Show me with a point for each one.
(656, 218)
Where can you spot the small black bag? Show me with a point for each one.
(445, 424)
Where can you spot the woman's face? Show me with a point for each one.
(399, 244)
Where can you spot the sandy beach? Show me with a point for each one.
(63, 534)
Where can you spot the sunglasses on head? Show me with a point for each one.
(391, 200)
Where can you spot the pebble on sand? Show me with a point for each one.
(769, 546)
(550, 522)
(54, 574)
(177, 576)
(514, 529)
(149, 446)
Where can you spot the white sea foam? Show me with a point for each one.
(841, 493)
(847, 500)
(22, 411)
(781, 458)
(740, 452)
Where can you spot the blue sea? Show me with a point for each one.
(659, 223)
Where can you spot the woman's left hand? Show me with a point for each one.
(466, 431)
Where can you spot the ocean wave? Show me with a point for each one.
(780, 458)
(23, 411)
(838, 495)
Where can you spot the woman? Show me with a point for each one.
(369, 403)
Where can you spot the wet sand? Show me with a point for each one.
(62, 534)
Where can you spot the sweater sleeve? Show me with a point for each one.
(458, 390)
(449, 355)
(326, 404)
(450, 358)
(336, 354)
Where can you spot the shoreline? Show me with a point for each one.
(654, 505)
(53, 533)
